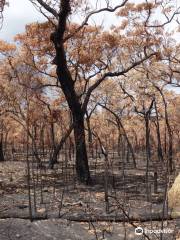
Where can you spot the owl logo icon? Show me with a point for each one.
(139, 231)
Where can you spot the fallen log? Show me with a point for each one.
(93, 218)
(118, 218)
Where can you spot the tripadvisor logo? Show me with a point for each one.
(141, 231)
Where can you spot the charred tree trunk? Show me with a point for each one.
(165, 139)
(148, 153)
(58, 148)
(120, 126)
(128, 142)
(52, 135)
(169, 131)
(1, 151)
(68, 88)
(90, 137)
(170, 149)
(160, 152)
(82, 167)
(146, 113)
(89, 129)
(119, 143)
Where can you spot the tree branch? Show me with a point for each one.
(112, 74)
(48, 8)
(107, 9)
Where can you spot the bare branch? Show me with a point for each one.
(47, 8)
(107, 9)
(112, 74)
(169, 20)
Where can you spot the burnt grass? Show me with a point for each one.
(116, 196)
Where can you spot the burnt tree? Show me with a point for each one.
(77, 106)
(1, 152)
(73, 100)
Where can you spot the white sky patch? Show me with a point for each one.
(16, 16)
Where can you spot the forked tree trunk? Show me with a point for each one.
(67, 85)
(58, 148)
(120, 126)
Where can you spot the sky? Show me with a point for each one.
(16, 16)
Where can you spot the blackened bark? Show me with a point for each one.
(82, 167)
(148, 152)
(119, 142)
(1, 152)
(170, 152)
(165, 139)
(54, 156)
(52, 135)
(169, 130)
(147, 114)
(170, 136)
(128, 142)
(120, 126)
(67, 85)
(160, 152)
(58, 148)
(89, 129)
